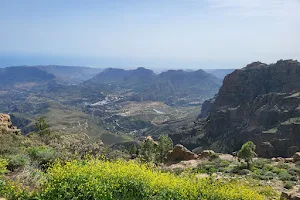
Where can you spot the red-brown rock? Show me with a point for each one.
(180, 153)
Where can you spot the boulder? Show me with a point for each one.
(285, 195)
(278, 159)
(288, 160)
(197, 150)
(295, 196)
(290, 195)
(296, 157)
(206, 154)
(180, 153)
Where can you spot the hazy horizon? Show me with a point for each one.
(177, 34)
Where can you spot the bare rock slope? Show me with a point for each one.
(260, 103)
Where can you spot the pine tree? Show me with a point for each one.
(165, 144)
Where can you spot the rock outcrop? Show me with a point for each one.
(290, 195)
(6, 125)
(180, 153)
(296, 157)
(260, 103)
(207, 154)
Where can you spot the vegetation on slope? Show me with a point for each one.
(56, 165)
(98, 179)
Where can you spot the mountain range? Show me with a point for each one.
(173, 87)
(259, 102)
(115, 105)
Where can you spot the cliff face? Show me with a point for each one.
(260, 103)
(6, 125)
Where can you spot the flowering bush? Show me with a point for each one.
(96, 179)
(3, 164)
(10, 189)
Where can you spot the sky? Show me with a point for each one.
(187, 34)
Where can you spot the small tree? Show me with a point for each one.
(165, 144)
(133, 149)
(41, 126)
(247, 152)
(149, 149)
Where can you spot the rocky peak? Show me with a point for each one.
(260, 103)
(256, 79)
(6, 125)
(255, 65)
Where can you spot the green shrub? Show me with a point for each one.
(268, 167)
(10, 144)
(278, 170)
(294, 171)
(283, 165)
(177, 171)
(236, 168)
(244, 172)
(42, 154)
(289, 185)
(212, 166)
(261, 174)
(260, 163)
(18, 161)
(13, 191)
(285, 176)
(97, 179)
(268, 192)
(3, 170)
(3, 164)
(214, 156)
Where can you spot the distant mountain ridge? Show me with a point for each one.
(14, 75)
(71, 74)
(112, 103)
(115, 75)
(171, 86)
(67, 74)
